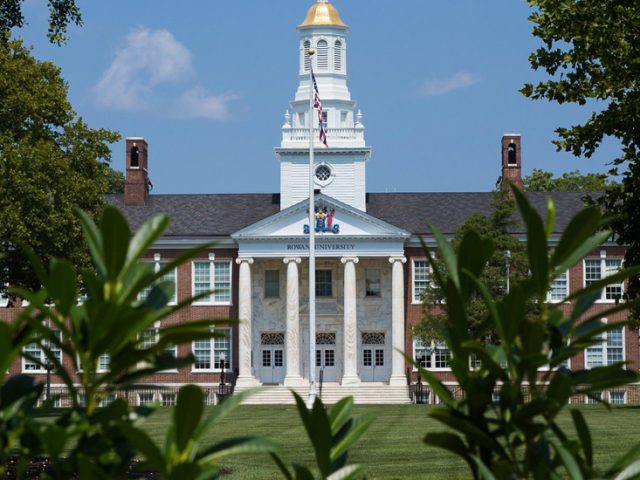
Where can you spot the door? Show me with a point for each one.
(272, 369)
(326, 357)
(374, 366)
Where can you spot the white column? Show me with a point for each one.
(245, 375)
(292, 377)
(350, 373)
(397, 321)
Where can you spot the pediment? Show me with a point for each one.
(333, 220)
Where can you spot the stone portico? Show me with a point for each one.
(359, 325)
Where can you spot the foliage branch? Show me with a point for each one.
(520, 435)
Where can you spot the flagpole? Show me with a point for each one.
(312, 247)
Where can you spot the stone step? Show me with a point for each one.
(363, 394)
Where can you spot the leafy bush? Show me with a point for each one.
(519, 436)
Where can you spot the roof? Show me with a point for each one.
(220, 215)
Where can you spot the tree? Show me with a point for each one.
(50, 164)
(115, 181)
(61, 14)
(591, 53)
(520, 435)
(542, 181)
(509, 259)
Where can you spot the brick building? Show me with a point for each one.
(370, 268)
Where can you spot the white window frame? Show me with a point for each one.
(567, 288)
(212, 353)
(434, 347)
(43, 358)
(266, 283)
(154, 398)
(332, 285)
(156, 332)
(624, 397)
(157, 265)
(366, 283)
(4, 299)
(603, 274)
(604, 346)
(213, 298)
(418, 299)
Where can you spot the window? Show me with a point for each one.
(325, 116)
(559, 288)
(271, 283)
(433, 355)
(594, 398)
(337, 55)
(212, 275)
(167, 277)
(210, 352)
(135, 159)
(108, 400)
(611, 349)
(323, 283)
(35, 360)
(421, 279)
(511, 153)
(301, 120)
(167, 399)
(4, 299)
(103, 362)
(323, 55)
(151, 336)
(146, 398)
(596, 269)
(617, 398)
(323, 172)
(372, 282)
(307, 59)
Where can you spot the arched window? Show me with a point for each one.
(135, 161)
(307, 58)
(337, 55)
(323, 55)
(511, 154)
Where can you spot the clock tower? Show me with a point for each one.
(340, 167)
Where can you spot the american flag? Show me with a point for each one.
(318, 104)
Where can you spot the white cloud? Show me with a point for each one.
(198, 103)
(441, 86)
(149, 58)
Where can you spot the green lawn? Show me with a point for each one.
(392, 447)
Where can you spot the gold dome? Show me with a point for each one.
(322, 14)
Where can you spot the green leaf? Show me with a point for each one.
(283, 468)
(187, 414)
(448, 255)
(346, 473)
(631, 471)
(569, 462)
(62, 286)
(583, 434)
(574, 256)
(316, 423)
(144, 444)
(340, 412)
(115, 241)
(359, 426)
(537, 248)
(577, 233)
(451, 442)
(144, 238)
(93, 238)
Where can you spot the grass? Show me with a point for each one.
(392, 447)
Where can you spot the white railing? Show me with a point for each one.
(302, 134)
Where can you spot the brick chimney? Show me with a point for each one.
(136, 186)
(512, 159)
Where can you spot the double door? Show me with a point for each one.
(326, 357)
(374, 366)
(272, 368)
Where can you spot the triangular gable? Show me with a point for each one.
(340, 220)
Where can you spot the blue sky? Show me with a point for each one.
(207, 84)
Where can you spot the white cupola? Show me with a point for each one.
(340, 168)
